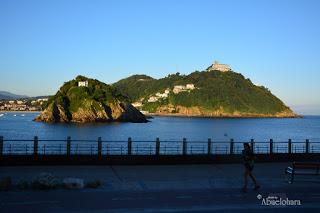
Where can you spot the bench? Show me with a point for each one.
(302, 168)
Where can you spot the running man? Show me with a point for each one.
(248, 161)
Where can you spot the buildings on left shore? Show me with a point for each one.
(22, 105)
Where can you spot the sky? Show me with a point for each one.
(275, 43)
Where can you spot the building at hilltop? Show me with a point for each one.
(219, 67)
(83, 84)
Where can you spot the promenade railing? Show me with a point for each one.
(101, 147)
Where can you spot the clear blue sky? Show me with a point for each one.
(274, 43)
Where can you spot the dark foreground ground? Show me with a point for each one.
(169, 188)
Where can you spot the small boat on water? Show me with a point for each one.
(14, 115)
(1, 115)
(22, 115)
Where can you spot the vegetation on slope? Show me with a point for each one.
(227, 92)
(95, 102)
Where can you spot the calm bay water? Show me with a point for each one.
(22, 126)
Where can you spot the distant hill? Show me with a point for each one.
(88, 100)
(210, 93)
(4, 95)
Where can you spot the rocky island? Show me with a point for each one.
(84, 100)
(217, 91)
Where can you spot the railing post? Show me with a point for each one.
(184, 146)
(289, 146)
(209, 146)
(271, 147)
(129, 146)
(99, 147)
(35, 146)
(157, 146)
(307, 146)
(1, 145)
(68, 146)
(252, 144)
(231, 146)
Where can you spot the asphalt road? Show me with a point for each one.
(95, 200)
(181, 188)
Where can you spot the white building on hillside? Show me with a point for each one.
(161, 95)
(152, 99)
(83, 84)
(181, 88)
(190, 86)
(137, 104)
(178, 89)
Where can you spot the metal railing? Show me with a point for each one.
(101, 147)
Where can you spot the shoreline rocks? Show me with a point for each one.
(119, 112)
(181, 111)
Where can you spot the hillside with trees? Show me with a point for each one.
(89, 100)
(215, 94)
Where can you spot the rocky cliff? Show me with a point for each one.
(196, 111)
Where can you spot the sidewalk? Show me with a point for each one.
(154, 188)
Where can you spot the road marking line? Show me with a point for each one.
(116, 173)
